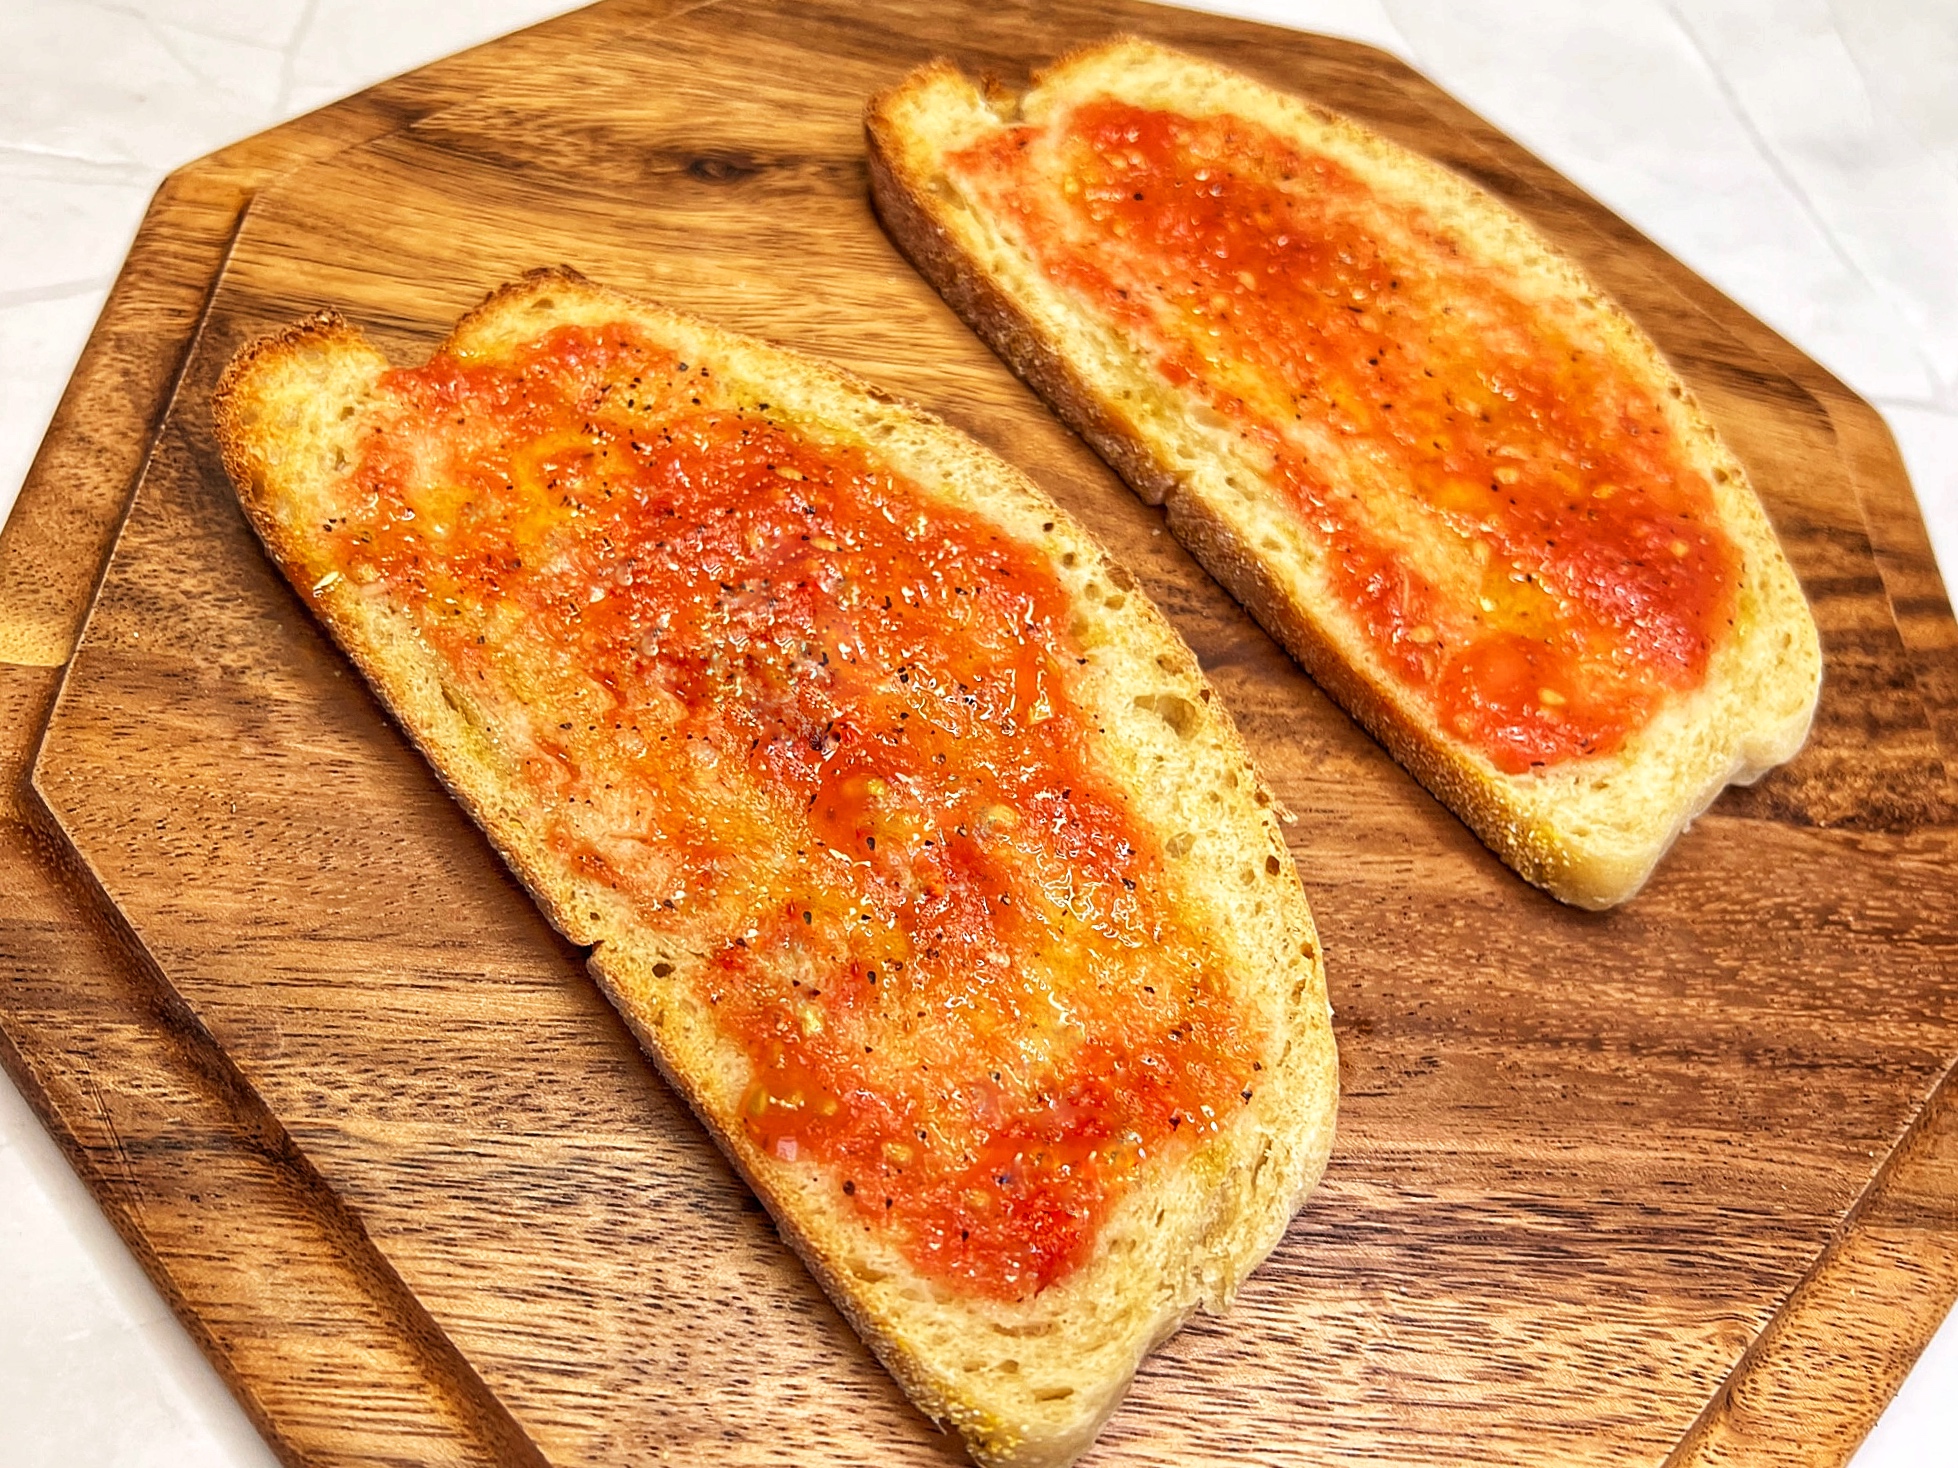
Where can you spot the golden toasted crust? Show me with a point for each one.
(1590, 831)
(1027, 1382)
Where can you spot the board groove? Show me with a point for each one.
(1733, 1275)
(276, 1281)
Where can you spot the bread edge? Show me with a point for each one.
(1483, 799)
(441, 732)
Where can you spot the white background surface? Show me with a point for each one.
(1800, 154)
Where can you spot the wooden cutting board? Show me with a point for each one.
(1674, 1184)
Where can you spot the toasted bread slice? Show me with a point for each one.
(764, 685)
(1447, 473)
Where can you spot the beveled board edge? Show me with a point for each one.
(1803, 1393)
(1813, 1383)
(274, 1279)
(1810, 1387)
(58, 538)
(1913, 586)
(299, 1312)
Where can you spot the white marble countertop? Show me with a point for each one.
(1800, 154)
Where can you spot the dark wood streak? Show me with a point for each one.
(1670, 1184)
(305, 1318)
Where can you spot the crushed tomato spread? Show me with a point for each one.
(817, 722)
(1502, 506)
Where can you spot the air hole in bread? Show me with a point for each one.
(347, 412)
(1113, 601)
(1021, 1332)
(544, 303)
(1070, 560)
(661, 970)
(1272, 867)
(1271, 542)
(1053, 1394)
(869, 1274)
(1264, 1156)
(339, 458)
(1180, 843)
(1120, 576)
(1247, 875)
(1173, 709)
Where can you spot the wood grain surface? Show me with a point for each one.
(1670, 1184)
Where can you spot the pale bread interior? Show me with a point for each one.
(1589, 831)
(1024, 1383)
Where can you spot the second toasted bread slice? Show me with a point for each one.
(1426, 451)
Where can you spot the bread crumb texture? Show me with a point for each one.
(904, 831)
(1447, 472)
